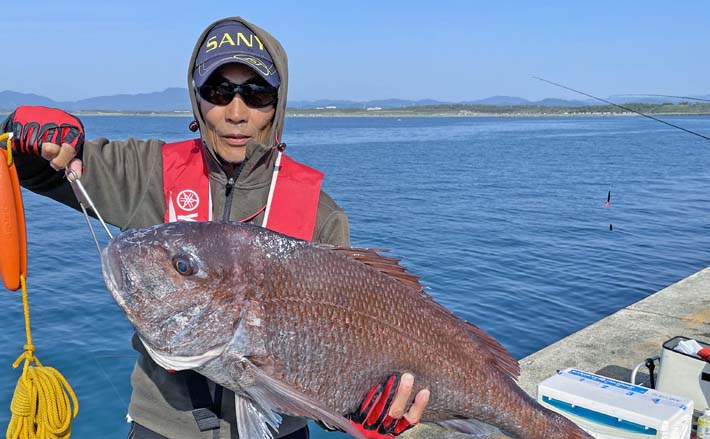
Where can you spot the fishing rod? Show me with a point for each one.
(624, 108)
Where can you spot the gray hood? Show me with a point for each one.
(278, 55)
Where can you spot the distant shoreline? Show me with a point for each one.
(482, 115)
(387, 114)
(462, 111)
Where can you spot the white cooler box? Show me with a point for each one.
(684, 375)
(608, 408)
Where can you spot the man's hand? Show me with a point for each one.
(381, 414)
(40, 131)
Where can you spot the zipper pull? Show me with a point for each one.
(229, 186)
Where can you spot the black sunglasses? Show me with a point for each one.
(254, 95)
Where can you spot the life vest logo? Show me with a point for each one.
(188, 200)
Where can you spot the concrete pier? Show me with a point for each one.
(615, 344)
(627, 337)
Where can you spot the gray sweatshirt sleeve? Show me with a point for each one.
(123, 178)
(125, 181)
(332, 225)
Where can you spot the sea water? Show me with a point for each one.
(504, 219)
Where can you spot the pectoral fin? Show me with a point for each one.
(275, 396)
(254, 421)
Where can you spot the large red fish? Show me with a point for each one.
(306, 330)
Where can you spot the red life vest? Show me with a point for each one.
(291, 206)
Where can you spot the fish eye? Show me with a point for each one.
(183, 264)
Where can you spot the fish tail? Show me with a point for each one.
(560, 427)
(542, 423)
(524, 418)
(551, 426)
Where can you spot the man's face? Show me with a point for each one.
(231, 126)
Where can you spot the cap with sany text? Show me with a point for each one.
(230, 42)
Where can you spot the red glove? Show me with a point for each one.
(31, 126)
(372, 419)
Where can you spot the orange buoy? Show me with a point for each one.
(13, 257)
(20, 211)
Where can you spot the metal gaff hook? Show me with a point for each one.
(85, 202)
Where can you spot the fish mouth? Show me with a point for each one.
(182, 362)
(111, 270)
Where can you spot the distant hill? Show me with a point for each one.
(513, 101)
(499, 100)
(171, 99)
(552, 102)
(623, 99)
(176, 99)
(382, 103)
(9, 100)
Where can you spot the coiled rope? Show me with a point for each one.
(44, 403)
(41, 406)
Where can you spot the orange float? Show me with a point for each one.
(13, 238)
(20, 210)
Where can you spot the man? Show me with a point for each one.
(237, 81)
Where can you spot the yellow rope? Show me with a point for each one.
(8, 145)
(40, 408)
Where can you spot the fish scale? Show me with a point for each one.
(394, 354)
(308, 330)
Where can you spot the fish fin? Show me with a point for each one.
(253, 420)
(273, 395)
(384, 264)
(472, 427)
(390, 266)
(503, 358)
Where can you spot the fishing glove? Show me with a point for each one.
(372, 419)
(31, 126)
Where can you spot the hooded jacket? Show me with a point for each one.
(125, 181)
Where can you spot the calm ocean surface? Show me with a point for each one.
(503, 219)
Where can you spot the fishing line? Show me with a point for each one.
(624, 108)
(108, 377)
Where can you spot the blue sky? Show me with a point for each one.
(361, 50)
